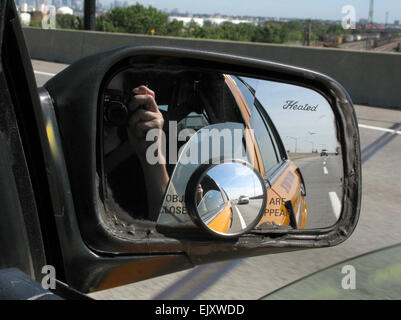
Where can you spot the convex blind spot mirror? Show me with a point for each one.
(226, 199)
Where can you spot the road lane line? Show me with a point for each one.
(44, 73)
(335, 204)
(241, 219)
(382, 138)
(325, 170)
(379, 129)
(379, 143)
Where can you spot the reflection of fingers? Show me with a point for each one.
(143, 90)
(142, 128)
(144, 115)
(143, 100)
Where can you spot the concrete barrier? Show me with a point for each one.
(371, 78)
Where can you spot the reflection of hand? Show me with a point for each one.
(146, 116)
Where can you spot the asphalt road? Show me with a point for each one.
(379, 226)
(323, 185)
(244, 214)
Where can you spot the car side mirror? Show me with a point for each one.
(287, 161)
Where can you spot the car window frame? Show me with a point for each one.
(282, 158)
(274, 173)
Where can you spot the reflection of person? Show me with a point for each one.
(145, 116)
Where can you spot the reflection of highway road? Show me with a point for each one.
(323, 176)
(244, 214)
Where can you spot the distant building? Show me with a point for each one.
(397, 22)
(67, 3)
(65, 10)
(25, 18)
(24, 7)
(78, 4)
(36, 16)
(187, 20)
(217, 19)
(57, 3)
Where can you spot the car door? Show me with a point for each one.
(26, 218)
(286, 204)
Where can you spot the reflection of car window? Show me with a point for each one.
(262, 134)
(211, 201)
(193, 121)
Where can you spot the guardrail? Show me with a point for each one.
(371, 78)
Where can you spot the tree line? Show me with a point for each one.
(149, 20)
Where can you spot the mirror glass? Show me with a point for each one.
(162, 122)
(230, 197)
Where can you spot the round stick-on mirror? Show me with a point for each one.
(226, 199)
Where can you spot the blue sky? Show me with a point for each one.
(236, 179)
(310, 128)
(315, 9)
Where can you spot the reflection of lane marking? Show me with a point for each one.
(241, 219)
(335, 204)
(378, 128)
(44, 73)
(325, 170)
